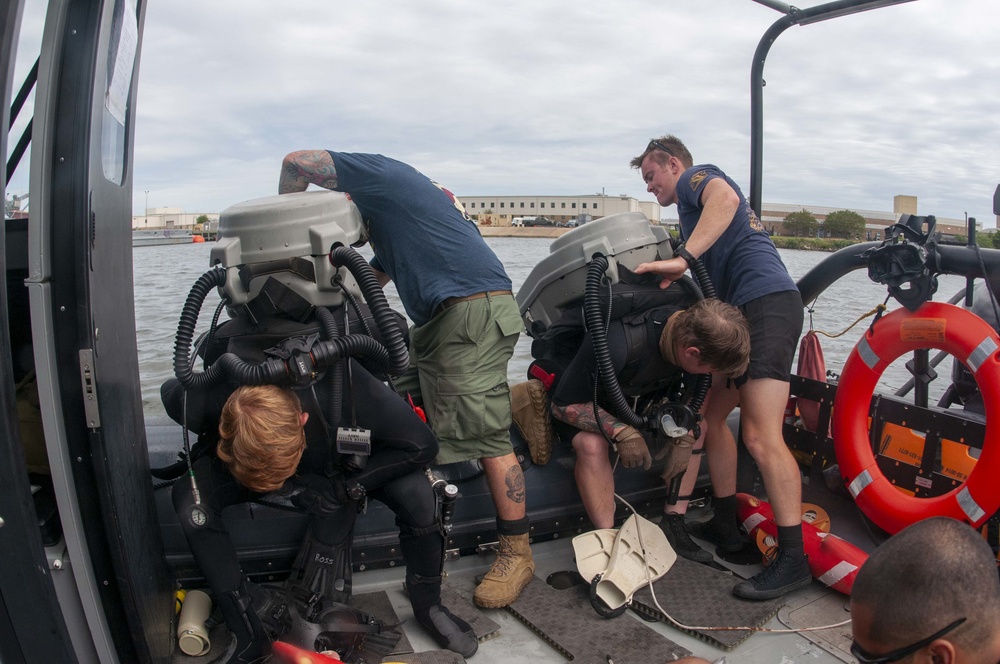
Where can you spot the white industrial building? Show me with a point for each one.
(500, 210)
(166, 217)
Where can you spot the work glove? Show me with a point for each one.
(632, 449)
(530, 410)
(677, 452)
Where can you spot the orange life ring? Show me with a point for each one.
(934, 325)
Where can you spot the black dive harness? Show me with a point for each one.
(669, 417)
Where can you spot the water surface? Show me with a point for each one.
(164, 276)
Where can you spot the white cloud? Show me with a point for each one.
(557, 96)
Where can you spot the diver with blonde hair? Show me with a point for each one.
(270, 449)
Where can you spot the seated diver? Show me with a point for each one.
(269, 447)
(652, 350)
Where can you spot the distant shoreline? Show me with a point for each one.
(806, 244)
(515, 231)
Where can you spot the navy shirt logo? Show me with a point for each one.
(697, 178)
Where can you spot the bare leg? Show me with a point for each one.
(506, 483)
(719, 442)
(762, 403)
(513, 567)
(762, 409)
(595, 478)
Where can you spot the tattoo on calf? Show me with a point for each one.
(515, 484)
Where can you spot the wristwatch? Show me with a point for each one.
(681, 250)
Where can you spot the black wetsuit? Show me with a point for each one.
(639, 310)
(633, 346)
(402, 445)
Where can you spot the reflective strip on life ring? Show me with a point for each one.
(934, 325)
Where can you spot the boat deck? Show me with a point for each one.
(813, 606)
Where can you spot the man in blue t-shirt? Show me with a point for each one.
(719, 228)
(466, 322)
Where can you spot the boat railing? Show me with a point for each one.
(909, 436)
(909, 258)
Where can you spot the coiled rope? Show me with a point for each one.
(879, 309)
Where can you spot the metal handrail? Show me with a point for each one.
(793, 16)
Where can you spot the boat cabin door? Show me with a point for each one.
(102, 592)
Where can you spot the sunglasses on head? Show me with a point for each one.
(656, 145)
(898, 654)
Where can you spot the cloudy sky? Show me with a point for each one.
(556, 96)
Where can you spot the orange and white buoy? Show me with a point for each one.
(832, 560)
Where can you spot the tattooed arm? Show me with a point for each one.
(581, 416)
(300, 168)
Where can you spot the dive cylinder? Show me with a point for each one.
(559, 280)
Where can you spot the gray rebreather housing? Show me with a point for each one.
(288, 238)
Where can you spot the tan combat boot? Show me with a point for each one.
(511, 571)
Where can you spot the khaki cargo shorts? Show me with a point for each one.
(458, 369)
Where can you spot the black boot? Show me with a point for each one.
(727, 540)
(450, 631)
(723, 529)
(672, 526)
(250, 642)
(787, 572)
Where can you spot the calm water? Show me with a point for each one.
(165, 274)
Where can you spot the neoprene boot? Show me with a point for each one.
(511, 571)
(423, 549)
(450, 631)
(249, 641)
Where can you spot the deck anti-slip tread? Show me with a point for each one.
(565, 620)
(484, 627)
(379, 605)
(698, 595)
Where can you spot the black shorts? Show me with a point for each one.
(775, 326)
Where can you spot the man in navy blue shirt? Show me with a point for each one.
(718, 227)
(466, 322)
